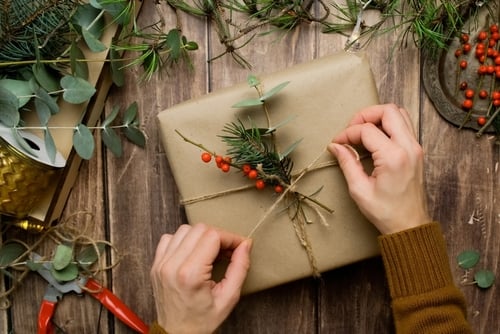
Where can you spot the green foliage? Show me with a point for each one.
(468, 259)
(41, 79)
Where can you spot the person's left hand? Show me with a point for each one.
(187, 299)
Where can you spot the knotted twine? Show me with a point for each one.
(299, 225)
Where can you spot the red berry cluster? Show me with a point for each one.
(487, 55)
(225, 163)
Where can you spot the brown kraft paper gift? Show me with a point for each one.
(322, 96)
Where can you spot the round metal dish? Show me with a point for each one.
(442, 76)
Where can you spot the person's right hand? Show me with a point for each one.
(392, 197)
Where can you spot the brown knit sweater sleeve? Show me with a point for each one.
(424, 296)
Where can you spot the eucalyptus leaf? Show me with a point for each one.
(468, 259)
(290, 149)
(111, 117)
(78, 68)
(47, 99)
(174, 43)
(9, 114)
(20, 88)
(280, 124)
(46, 79)
(130, 114)
(95, 4)
(34, 266)
(69, 273)
(76, 90)
(191, 46)
(83, 142)
(9, 252)
(484, 278)
(112, 141)
(88, 255)
(253, 81)
(42, 111)
(62, 256)
(92, 41)
(135, 135)
(85, 17)
(117, 72)
(248, 103)
(50, 145)
(118, 9)
(274, 90)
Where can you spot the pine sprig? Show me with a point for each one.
(255, 147)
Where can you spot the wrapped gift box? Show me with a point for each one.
(322, 96)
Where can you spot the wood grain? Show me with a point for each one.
(134, 198)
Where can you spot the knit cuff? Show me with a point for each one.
(156, 329)
(415, 260)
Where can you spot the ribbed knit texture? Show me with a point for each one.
(424, 296)
(156, 329)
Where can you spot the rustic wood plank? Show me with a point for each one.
(462, 182)
(142, 195)
(290, 308)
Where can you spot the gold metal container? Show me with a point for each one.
(23, 176)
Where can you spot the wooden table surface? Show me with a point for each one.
(133, 199)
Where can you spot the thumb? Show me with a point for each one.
(350, 165)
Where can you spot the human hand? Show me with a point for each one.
(187, 299)
(393, 196)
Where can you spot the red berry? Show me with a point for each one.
(481, 120)
(218, 160)
(246, 169)
(227, 159)
(469, 93)
(496, 103)
(467, 104)
(206, 157)
(253, 174)
(495, 36)
(482, 69)
(465, 38)
(463, 85)
(260, 184)
(482, 35)
(495, 95)
(491, 43)
(483, 93)
(278, 188)
(225, 167)
(490, 69)
(494, 28)
(463, 64)
(466, 48)
(497, 60)
(458, 53)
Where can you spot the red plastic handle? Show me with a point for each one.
(45, 316)
(116, 306)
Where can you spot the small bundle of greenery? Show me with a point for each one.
(42, 61)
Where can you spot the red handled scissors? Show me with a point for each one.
(56, 290)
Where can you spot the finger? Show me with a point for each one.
(176, 240)
(368, 135)
(209, 246)
(161, 249)
(229, 288)
(352, 168)
(388, 116)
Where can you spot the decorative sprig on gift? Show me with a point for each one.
(253, 151)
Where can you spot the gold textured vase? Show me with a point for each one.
(23, 179)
